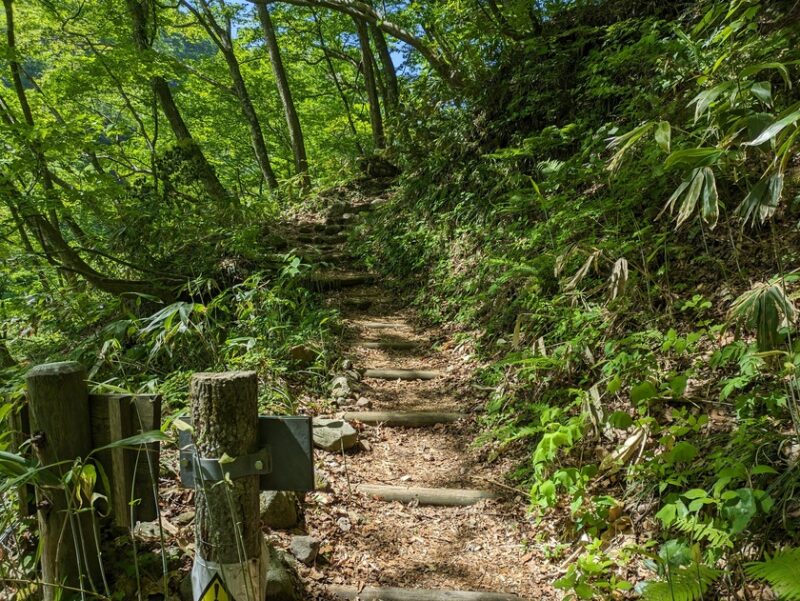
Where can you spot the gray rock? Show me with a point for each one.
(340, 387)
(304, 548)
(281, 582)
(334, 434)
(278, 509)
(363, 403)
(185, 591)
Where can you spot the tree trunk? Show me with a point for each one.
(59, 414)
(138, 10)
(392, 96)
(285, 93)
(364, 12)
(375, 118)
(223, 40)
(225, 421)
(338, 84)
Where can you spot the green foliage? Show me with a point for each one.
(780, 571)
(687, 583)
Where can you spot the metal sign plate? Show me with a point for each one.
(290, 443)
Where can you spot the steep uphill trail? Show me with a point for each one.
(415, 511)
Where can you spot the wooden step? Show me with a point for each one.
(382, 325)
(336, 281)
(400, 594)
(401, 374)
(447, 497)
(390, 345)
(403, 419)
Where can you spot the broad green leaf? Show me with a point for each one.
(135, 441)
(643, 392)
(663, 135)
(693, 158)
(773, 130)
(620, 420)
(763, 91)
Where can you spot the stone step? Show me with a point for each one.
(321, 239)
(403, 419)
(400, 594)
(401, 374)
(446, 497)
(337, 281)
(390, 345)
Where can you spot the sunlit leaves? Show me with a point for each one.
(765, 308)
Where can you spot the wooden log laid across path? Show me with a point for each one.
(401, 374)
(449, 497)
(400, 594)
(408, 419)
(381, 325)
(390, 345)
(336, 281)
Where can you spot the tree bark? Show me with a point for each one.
(139, 10)
(285, 93)
(375, 118)
(59, 414)
(392, 96)
(364, 12)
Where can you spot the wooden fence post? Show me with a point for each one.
(228, 533)
(59, 421)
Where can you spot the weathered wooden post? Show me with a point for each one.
(59, 421)
(229, 563)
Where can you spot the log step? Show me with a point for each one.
(447, 497)
(382, 325)
(401, 374)
(391, 345)
(400, 594)
(325, 282)
(403, 419)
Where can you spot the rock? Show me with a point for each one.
(347, 364)
(185, 517)
(334, 434)
(303, 355)
(366, 446)
(278, 509)
(185, 591)
(340, 387)
(364, 403)
(280, 579)
(344, 524)
(304, 548)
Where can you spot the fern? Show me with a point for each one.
(683, 584)
(698, 530)
(782, 573)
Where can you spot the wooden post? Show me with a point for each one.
(59, 419)
(227, 526)
(118, 416)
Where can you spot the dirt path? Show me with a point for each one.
(489, 547)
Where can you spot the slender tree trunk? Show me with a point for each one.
(223, 40)
(392, 95)
(364, 12)
(338, 84)
(285, 93)
(375, 118)
(139, 10)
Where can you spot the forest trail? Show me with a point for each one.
(414, 511)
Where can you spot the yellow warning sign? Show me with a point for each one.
(216, 591)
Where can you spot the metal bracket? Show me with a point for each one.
(287, 465)
(214, 470)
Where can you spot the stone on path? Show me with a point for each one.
(340, 387)
(278, 509)
(334, 434)
(304, 548)
(281, 583)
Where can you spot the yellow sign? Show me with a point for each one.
(216, 591)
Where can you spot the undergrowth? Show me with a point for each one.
(615, 213)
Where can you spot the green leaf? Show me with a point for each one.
(643, 392)
(682, 452)
(763, 91)
(663, 135)
(677, 385)
(773, 130)
(620, 420)
(762, 201)
(693, 158)
(135, 441)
